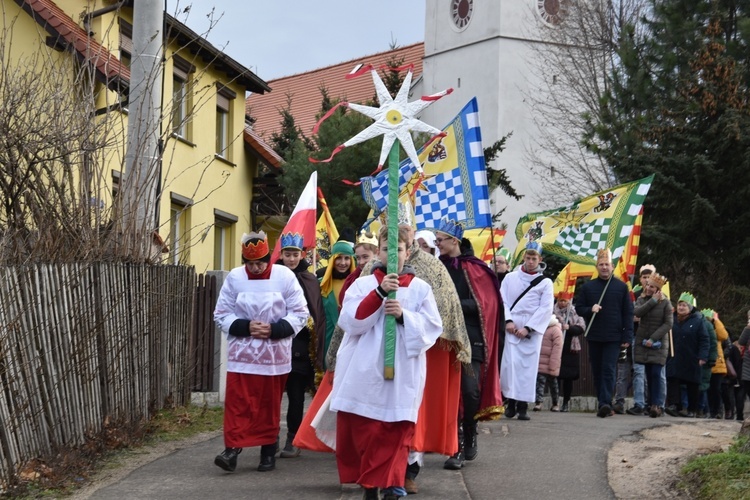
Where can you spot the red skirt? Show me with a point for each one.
(437, 423)
(372, 453)
(306, 438)
(252, 409)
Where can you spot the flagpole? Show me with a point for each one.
(599, 304)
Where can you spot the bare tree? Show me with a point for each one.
(571, 68)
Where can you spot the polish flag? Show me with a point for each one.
(303, 217)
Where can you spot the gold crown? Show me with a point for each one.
(657, 280)
(603, 254)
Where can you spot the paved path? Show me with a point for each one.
(554, 455)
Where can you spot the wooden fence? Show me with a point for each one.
(87, 345)
(204, 340)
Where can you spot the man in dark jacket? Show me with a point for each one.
(607, 307)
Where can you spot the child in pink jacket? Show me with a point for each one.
(549, 364)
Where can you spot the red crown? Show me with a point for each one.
(255, 251)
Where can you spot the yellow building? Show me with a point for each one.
(211, 159)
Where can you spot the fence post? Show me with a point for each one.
(220, 373)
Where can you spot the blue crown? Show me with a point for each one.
(292, 240)
(451, 228)
(534, 246)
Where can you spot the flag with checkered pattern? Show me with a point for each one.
(454, 184)
(575, 232)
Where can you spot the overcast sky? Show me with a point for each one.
(276, 38)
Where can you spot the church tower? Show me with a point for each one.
(482, 48)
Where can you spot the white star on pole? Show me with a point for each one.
(394, 119)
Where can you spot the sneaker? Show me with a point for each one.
(227, 459)
(454, 462)
(619, 408)
(604, 411)
(554, 408)
(635, 410)
(654, 412)
(686, 414)
(565, 408)
(672, 411)
(538, 407)
(411, 486)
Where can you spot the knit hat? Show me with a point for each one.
(254, 245)
(342, 248)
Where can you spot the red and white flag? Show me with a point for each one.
(303, 217)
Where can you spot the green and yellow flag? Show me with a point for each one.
(575, 232)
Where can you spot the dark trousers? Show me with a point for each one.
(296, 385)
(674, 397)
(714, 393)
(566, 387)
(603, 358)
(653, 376)
(469, 396)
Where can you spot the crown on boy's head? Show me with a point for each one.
(533, 246)
(254, 250)
(292, 240)
(451, 228)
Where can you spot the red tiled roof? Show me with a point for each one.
(265, 153)
(67, 32)
(304, 89)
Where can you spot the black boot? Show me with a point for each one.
(510, 408)
(456, 461)
(371, 494)
(522, 408)
(290, 451)
(227, 460)
(267, 457)
(470, 441)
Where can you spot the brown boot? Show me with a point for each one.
(411, 486)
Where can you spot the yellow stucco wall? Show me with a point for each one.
(191, 169)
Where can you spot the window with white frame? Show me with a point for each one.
(224, 225)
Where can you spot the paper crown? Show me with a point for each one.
(688, 298)
(368, 237)
(505, 253)
(451, 228)
(292, 240)
(405, 217)
(708, 313)
(603, 254)
(657, 280)
(647, 268)
(565, 295)
(533, 246)
(257, 249)
(342, 248)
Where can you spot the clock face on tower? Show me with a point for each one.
(461, 11)
(551, 11)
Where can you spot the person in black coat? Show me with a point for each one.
(606, 305)
(691, 342)
(302, 376)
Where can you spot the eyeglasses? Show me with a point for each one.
(440, 240)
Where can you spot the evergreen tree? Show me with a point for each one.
(678, 106)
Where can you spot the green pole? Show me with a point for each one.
(390, 321)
